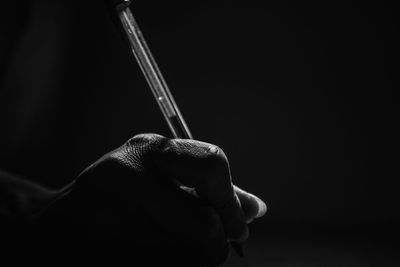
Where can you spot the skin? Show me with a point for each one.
(181, 188)
(171, 197)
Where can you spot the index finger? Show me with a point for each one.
(205, 168)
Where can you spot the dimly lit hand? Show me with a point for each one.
(180, 189)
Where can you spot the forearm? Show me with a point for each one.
(21, 200)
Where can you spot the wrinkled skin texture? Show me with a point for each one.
(169, 195)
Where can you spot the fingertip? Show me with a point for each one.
(262, 207)
(252, 206)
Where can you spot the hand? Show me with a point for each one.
(164, 192)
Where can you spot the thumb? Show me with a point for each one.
(252, 206)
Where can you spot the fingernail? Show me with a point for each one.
(262, 207)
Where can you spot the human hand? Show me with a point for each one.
(170, 192)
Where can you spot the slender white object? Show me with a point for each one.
(153, 74)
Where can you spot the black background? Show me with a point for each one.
(302, 97)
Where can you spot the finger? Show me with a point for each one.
(205, 167)
(252, 206)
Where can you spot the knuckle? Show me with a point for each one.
(203, 157)
(143, 144)
(216, 159)
(132, 153)
(145, 139)
(218, 170)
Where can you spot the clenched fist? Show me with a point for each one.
(161, 193)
